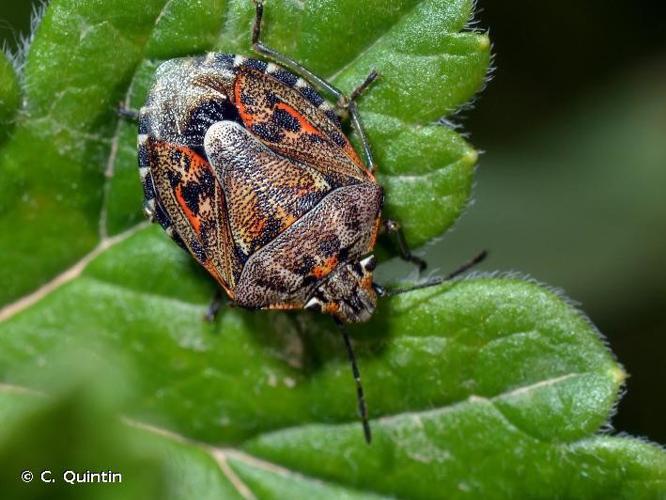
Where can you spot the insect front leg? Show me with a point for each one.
(344, 102)
(259, 47)
(348, 105)
(393, 227)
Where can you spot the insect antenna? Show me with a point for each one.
(437, 280)
(362, 408)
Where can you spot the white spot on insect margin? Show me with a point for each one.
(239, 60)
(368, 262)
(313, 302)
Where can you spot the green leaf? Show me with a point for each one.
(76, 429)
(483, 387)
(62, 433)
(9, 95)
(488, 387)
(52, 186)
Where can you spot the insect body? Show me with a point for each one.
(247, 167)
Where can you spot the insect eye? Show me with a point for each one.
(314, 304)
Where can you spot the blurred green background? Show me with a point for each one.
(569, 190)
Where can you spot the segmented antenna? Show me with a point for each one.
(438, 280)
(362, 408)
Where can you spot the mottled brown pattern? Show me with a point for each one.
(348, 295)
(338, 226)
(196, 207)
(256, 177)
(265, 193)
(288, 123)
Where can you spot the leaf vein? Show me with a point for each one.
(218, 454)
(66, 276)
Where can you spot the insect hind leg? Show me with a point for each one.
(347, 103)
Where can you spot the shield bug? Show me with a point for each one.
(247, 167)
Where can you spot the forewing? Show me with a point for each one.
(339, 230)
(292, 119)
(188, 191)
(265, 192)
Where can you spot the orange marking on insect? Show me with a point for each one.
(196, 163)
(288, 220)
(375, 232)
(247, 117)
(191, 216)
(284, 307)
(257, 227)
(331, 308)
(366, 282)
(351, 152)
(325, 269)
(210, 267)
(305, 124)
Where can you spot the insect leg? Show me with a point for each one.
(393, 227)
(358, 127)
(128, 114)
(439, 279)
(289, 63)
(215, 305)
(360, 90)
(348, 104)
(344, 102)
(362, 408)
